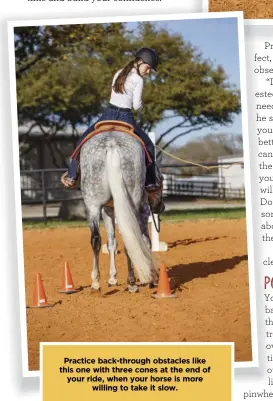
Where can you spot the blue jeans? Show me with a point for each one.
(126, 115)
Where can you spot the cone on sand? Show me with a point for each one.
(39, 299)
(67, 282)
(163, 289)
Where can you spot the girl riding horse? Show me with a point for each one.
(127, 87)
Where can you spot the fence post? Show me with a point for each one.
(44, 197)
(157, 246)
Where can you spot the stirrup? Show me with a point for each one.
(67, 181)
(154, 188)
(155, 199)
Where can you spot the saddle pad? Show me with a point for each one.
(114, 125)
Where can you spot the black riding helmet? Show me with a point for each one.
(149, 56)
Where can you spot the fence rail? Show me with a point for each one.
(38, 186)
(43, 187)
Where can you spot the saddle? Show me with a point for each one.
(111, 125)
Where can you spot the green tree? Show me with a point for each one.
(64, 74)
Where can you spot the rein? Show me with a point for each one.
(159, 220)
(157, 227)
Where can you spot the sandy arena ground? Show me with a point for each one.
(207, 264)
(252, 8)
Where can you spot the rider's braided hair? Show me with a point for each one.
(120, 81)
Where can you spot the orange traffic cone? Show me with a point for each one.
(163, 289)
(67, 282)
(39, 299)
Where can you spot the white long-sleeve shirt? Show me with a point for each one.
(132, 96)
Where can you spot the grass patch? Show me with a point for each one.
(170, 216)
(204, 214)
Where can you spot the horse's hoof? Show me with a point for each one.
(112, 283)
(95, 290)
(153, 285)
(133, 289)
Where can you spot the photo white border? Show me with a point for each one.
(212, 344)
(17, 187)
(205, 6)
(259, 22)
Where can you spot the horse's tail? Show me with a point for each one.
(126, 215)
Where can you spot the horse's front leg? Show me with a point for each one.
(109, 221)
(94, 221)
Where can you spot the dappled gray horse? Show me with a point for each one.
(113, 167)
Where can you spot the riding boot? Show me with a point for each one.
(154, 188)
(69, 178)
